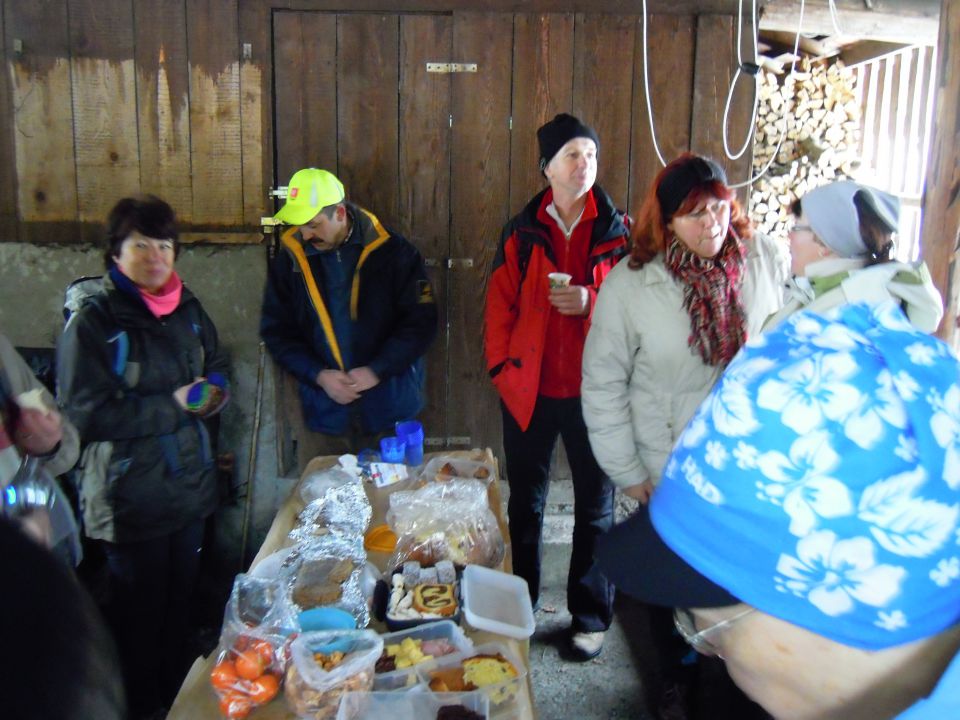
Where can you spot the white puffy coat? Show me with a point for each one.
(641, 380)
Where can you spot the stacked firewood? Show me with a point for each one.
(822, 116)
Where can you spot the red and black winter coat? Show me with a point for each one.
(518, 306)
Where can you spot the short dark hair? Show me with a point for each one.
(330, 210)
(146, 214)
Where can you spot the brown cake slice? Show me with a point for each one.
(437, 598)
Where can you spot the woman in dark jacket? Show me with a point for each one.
(139, 369)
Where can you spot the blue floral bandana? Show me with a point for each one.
(820, 479)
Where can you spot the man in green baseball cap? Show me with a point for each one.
(349, 311)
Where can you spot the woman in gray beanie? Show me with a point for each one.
(842, 246)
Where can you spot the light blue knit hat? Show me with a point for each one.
(820, 480)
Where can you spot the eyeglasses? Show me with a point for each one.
(699, 640)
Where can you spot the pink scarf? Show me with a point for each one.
(165, 301)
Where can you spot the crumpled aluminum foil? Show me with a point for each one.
(342, 509)
(331, 547)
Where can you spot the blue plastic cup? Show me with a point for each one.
(411, 432)
(392, 449)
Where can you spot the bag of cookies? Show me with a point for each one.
(445, 521)
(326, 664)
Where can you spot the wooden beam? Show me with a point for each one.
(940, 234)
(868, 51)
(606, 7)
(914, 22)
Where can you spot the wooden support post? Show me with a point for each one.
(940, 236)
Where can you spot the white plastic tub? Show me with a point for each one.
(416, 705)
(497, 602)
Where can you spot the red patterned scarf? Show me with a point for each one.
(711, 297)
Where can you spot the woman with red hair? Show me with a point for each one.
(667, 322)
(697, 283)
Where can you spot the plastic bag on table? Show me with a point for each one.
(445, 521)
(338, 504)
(326, 664)
(327, 572)
(316, 484)
(35, 501)
(251, 658)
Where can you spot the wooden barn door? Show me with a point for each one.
(427, 152)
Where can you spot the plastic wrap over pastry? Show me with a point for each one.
(316, 484)
(445, 521)
(342, 509)
(327, 572)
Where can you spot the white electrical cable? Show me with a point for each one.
(835, 18)
(783, 128)
(646, 88)
(733, 85)
(783, 118)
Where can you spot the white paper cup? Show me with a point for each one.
(559, 280)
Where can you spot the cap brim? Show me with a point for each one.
(634, 558)
(295, 215)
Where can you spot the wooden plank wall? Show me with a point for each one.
(480, 198)
(112, 97)
(424, 174)
(941, 202)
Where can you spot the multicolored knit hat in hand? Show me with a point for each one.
(208, 396)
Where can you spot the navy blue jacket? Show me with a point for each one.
(383, 316)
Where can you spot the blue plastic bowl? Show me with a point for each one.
(326, 618)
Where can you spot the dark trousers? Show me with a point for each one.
(589, 595)
(153, 583)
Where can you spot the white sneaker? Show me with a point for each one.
(586, 645)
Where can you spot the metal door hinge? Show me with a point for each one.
(435, 67)
(434, 441)
(280, 192)
(269, 222)
(459, 262)
(431, 262)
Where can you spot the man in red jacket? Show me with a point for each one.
(534, 336)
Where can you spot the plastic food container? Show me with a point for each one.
(497, 602)
(381, 604)
(507, 698)
(408, 706)
(313, 690)
(439, 469)
(404, 678)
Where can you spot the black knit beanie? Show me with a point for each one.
(678, 183)
(558, 132)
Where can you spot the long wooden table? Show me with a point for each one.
(197, 700)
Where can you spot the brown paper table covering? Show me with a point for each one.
(197, 700)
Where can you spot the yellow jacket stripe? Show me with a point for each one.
(294, 246)
(382, 237)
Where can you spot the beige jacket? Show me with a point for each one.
(848, 281)
(641, 381)
(17, 379)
